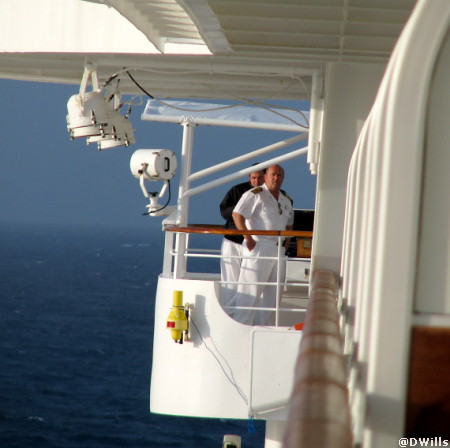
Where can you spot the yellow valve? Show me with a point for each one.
(177, 321)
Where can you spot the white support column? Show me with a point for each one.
(315, 123)
(183, 201)
(351, 89)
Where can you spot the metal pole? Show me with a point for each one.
(183, 200)
(278, 295)
(248, 156)
(316, 118)
(241, 173)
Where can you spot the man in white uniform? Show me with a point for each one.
(230, 267)
(262, 208)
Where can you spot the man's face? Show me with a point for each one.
(256, 179)
(274, 177)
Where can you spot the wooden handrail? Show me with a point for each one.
(319, 411)
(220, 230)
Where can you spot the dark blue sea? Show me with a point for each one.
(76, 327)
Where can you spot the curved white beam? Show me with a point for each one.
(207, 24)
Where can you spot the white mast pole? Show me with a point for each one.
(183, 201)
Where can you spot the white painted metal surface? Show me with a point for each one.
(382, 230)
(218, 372)
(163, 22)
(339, 135)
(433, 283)
(261, 49)
(246, 115)
(51, 26)
(188, 379)
(271, 381)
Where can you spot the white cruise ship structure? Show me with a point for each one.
(360, 350)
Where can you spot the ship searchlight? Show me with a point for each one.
(91, 115)
(153, 165)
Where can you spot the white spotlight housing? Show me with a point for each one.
(87, 114)
(90, 115)
(118, 132)
(153, 164)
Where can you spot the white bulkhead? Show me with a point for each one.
(219, 371)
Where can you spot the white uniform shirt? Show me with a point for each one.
(263, 212)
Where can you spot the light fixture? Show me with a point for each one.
(117, 132)
(90, 115)
(152, 165)
(86, 114)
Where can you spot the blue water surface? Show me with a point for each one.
(76, 326)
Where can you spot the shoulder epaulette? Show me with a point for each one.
(257, 190)
(282, 191)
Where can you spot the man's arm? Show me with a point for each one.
(239, 221)
(287, 241)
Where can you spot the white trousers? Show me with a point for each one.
(255, 270)
(230, 269)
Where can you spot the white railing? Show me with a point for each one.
(381, 258)
(177, 252)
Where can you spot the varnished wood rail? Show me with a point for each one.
(220, 230)
(319, 411)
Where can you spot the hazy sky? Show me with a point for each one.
(47, 178)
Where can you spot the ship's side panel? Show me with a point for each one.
(196, 378)
(216, 372)
(271, 382)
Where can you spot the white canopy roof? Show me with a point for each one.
(196, 48)
(239, 115)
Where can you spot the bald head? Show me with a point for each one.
(274, 177)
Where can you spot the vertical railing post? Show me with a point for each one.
(167, 262)
(279, 272)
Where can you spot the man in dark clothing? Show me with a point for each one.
(232, 244)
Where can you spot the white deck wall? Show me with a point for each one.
(433, 286)
(350, 92)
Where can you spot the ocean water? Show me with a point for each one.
(76, 326)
